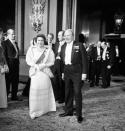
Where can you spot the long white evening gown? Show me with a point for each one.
(41, 99)
(3, 93)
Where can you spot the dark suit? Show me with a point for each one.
(72, 76)
(59, 83)
(95, 65)
(12, 57)
(27, 88)
(105, 72)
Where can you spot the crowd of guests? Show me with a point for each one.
(101, 58)
(57, 71)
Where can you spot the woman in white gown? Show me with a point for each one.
(41, 98)
(3, 69)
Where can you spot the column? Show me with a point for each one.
(67, 14)
(74, 15)
(52, 17)
(19, 24)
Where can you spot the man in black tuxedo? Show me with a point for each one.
(75, 61)
(95, 59)
(12, 56)
(58, 66)
(108, 56)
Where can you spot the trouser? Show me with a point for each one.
(12, 77)
(73, 90)
(106, 75)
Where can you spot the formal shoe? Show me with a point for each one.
(79, 119)
(65, 114)
(16, 99)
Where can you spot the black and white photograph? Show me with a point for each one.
(62, 65)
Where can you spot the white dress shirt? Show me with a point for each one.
(15, 47)
(68, 52)
(104, 54)
(60, 45)
(98, 51)
(117, 52)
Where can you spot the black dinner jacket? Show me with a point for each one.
(9, 49)
(110, 56)
(56, 48)
(78, 56)
(94, 53)
(58, 64)
(53, 48)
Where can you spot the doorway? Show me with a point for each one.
(7, 14)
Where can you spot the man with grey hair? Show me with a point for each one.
(75, 61)
(12, 56)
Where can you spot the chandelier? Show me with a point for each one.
(36, 17)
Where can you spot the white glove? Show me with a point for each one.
(84, 76)
(108, 67)
(42, 66)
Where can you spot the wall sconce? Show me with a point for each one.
(119, 17)
(36, 17)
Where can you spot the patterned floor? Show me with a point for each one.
(103, 109)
